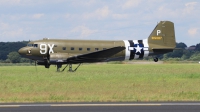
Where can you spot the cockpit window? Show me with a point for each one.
(30, 45)
(35, 45)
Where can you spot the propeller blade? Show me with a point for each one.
(48, 55)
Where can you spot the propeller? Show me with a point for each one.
(48, 54)
(48, 57)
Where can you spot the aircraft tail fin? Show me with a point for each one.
(163, 36)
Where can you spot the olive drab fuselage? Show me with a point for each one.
(38, 50)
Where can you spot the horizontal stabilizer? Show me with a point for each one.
(162, 48)
(167, 48)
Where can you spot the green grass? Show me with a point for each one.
(101, 83)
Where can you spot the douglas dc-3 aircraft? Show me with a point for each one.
(58, 52)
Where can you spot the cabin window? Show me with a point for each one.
(72, 48)
(64, 48)
(35, 45)
(96, 49)
(88, 49)
(104, 48)
(80, 49)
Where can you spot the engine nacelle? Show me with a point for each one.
(45, 63)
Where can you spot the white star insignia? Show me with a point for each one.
(138, 49)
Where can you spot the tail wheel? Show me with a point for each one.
(155, 59)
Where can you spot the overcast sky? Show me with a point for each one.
(97, 19)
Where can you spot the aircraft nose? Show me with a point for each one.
(22, 51)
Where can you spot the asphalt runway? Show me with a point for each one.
(102, 107)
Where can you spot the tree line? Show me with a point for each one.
(191, 53)
(9, 54)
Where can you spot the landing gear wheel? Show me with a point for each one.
(58, 67)
(47, 65)
(155, 59)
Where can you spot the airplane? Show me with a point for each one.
(63, 51)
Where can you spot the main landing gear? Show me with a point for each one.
(155, 59)
(70, 67)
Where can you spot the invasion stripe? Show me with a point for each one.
(145, 48)
(142, 52)
(127, 52)
(132, 54)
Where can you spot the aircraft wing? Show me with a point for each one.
(97, 56)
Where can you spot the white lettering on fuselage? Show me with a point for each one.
(44, 48)
(51, 48)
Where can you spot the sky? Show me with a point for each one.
(97, 19)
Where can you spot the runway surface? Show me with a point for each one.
(103, 107)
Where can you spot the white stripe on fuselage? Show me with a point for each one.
(136, 42)
(127, 52)
(146, 48)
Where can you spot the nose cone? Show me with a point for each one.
(22, 51)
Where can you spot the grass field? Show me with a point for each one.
(101, 83)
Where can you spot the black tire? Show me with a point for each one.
(155, 59)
